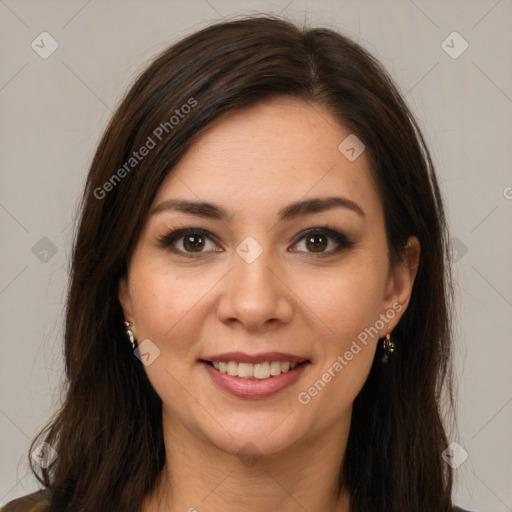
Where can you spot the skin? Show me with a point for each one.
(290, 299)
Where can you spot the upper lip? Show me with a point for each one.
(242, 357)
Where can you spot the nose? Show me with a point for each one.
(255, 295)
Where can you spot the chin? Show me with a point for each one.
(256, 437)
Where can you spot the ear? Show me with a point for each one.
(123, 294)
(401, 281)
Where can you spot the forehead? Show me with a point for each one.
(271, 154)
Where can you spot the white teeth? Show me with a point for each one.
(262, 370)
(275, 368)
(245, 370)
(259, 370)
(232, 368)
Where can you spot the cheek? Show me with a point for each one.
(345, 302)
(344, 313)
(345, 306)
(167, 306)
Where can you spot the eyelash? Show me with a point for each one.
(343, 242)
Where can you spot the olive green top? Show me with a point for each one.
(38, 502)
(35, 502)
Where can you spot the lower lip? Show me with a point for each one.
(255, 388)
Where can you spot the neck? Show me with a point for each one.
(200, 477)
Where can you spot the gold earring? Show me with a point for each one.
(388, 346)
(129, 333)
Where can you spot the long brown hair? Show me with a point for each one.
(108, 431)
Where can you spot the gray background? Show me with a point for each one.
(54, 110)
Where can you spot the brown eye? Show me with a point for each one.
(193, 243)
(316, 243)
(321, 241)
(190, 242)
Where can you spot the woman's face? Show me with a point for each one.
(269, 272)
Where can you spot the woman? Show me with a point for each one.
(225, 356)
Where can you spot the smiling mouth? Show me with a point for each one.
(258, 371)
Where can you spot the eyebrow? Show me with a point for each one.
(293, 210)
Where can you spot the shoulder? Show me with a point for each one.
(35, 502)
(458, 509)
